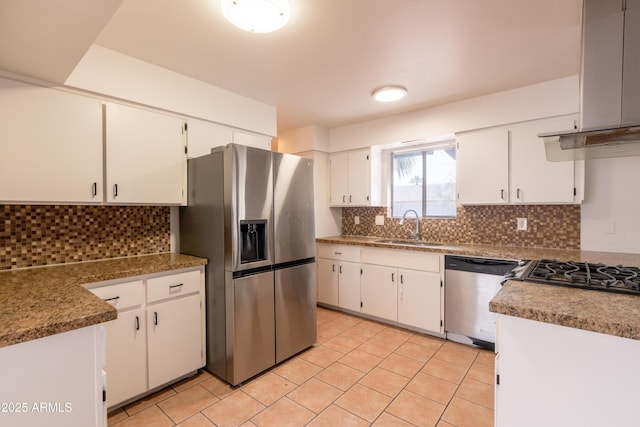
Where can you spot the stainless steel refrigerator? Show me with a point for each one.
(250, 213)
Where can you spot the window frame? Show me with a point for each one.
(423, 149)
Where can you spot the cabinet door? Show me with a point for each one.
(327, 281)
(174, 341)
(420, 300)
(483, 167)
(380, 291)
(51, 145)
(533, 178)
(145, 156)
(339, 169)
(359, 178)
(126, 362)
(349, 285)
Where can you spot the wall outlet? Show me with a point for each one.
(356, 220)
(379, 219)
(522, 224)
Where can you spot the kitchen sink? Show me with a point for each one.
(419, 243)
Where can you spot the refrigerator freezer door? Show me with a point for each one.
(295, 293)
(293, 208)
(250, 327)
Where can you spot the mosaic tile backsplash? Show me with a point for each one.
(42, 235)
(548, 226)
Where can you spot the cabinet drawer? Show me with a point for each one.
(339, 252)
(415, 260)
(173, 285)
(121, 295)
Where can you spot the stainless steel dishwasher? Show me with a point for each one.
(470, 283)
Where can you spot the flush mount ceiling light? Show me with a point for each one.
(257, 16)
(389, 93)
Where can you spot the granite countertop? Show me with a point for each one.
(42, 301)
(596, 311)
(605, 312)
(495, 251)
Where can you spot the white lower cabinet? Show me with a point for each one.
(551, 375)
(55, 381)
(379, 291)
(349, 286)
(126, 356)
(399, 286)
(419, 299)
(338, 268)
(173, 339)
(327, 280)
(156, 339)
(404, 286)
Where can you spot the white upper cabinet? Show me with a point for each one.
(351, 179)
(533, 178)
(50, 145)
(509, 165)
(202, 136)
(146, 157)
(483, 167)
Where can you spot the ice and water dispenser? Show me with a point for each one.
(253, 241)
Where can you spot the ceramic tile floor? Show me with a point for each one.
(359, 373)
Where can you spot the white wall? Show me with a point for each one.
(548, 99)
(610, 209)
(111, 73)
(312, 142)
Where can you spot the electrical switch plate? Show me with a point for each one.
(522, 224)
(379, 219)
(356, 220)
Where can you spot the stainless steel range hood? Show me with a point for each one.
(609, 86)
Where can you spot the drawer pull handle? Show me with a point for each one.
(112, 299)
(137, 323)
(337, 253)
(155, 317)
(176, 286)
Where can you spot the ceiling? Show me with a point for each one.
(322, 67)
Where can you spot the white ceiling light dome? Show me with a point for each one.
(257, 16)
(389, 93)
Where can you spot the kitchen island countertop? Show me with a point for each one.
(42, 301)
(597, 311)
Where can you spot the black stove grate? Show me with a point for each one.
(584, 275)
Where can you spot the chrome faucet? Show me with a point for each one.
(416, 234)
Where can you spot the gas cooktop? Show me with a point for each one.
(585, 275)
